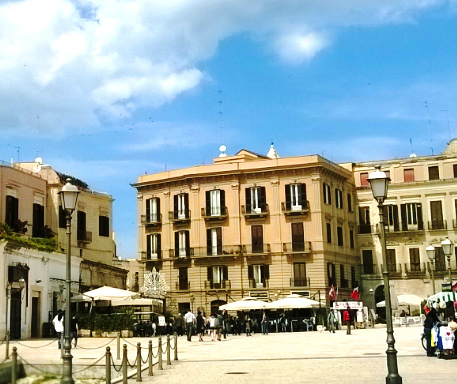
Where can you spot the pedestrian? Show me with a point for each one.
(212, 326)
(247, 325)
(265, 323)
(74, 328)
(220, 322)
(430, 319)
(200, 325)
(225, 323)
(331, 321)
(347, 320)
(58, 326)
(189, 319)
(179, 324)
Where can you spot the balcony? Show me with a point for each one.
(297, 247)
(211, 284)
(437, 225)
(391, 230)
(256, 249)
(151, 220)
(416, 270)
(258, 285)
(394, 270)
(221, 250)
(215, 214)
(365, 228)
(179, 217)
(151, 256)
(255, 213)
(370, 269)
(182, 285)
(290, 210)
(84, 237)
(181, 253)
(299, 282)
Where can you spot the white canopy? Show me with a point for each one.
(106, 293)
(412, 300)
(293, 301)
(244, 304)
(132, 302)
(442, 296)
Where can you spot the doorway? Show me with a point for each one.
(15, 316)
(35, 331)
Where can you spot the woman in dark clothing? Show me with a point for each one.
(430, 319)
(200, 325)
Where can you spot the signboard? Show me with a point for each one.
(259, 294)
(162, 322)
(341, 305)
(446, 287)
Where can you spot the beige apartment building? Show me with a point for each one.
(421, 210)
(249, 225)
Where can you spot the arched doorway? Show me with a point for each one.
(215, 304)
(378, 297)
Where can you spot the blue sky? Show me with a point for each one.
(108, 90)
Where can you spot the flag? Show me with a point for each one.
(454, 287)
(355, 294)
(331, 294)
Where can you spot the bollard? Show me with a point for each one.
(7, 345)
(138, 362)
(118, 345)
(150, 372)
(176, 346)
(168, 350)
(159, 353)
(108, 365)
(14, 366)
(124, 364)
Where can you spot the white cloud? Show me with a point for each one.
(73, 62)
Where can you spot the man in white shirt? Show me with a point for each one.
(189, 318)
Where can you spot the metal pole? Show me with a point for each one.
(138, 362)
(433, 276)
(159, 353)
(108, 365)
(14, 366)
(7, 335)
(67, 357)
(150, 372)
(118, 345)
(393, 377)
(168, 350)
(176, 346)
(124, 364)
(450, 272)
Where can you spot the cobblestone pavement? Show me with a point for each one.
(306, 357)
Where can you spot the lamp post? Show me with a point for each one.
(431, 255)
(379, 184)
(446, 244)
(68, 197)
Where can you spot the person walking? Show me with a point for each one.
(430, 319)
(220, 323)
(247, 324)
(212, 326)
(189, 319)
(200, 325)
(331, 321)
(347, 320)
(74, 330)
(58, 323)
(179, 324)
(225, 323)
(265, 323)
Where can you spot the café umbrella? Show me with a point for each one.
(293, 301)
(245, 304)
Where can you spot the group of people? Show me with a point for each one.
(59, 326)
(446, 342)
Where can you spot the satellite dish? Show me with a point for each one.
(222, 148)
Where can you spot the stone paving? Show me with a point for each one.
(305, 357)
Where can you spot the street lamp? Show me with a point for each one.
(379, 184)
(446, 244)
(68, 197)
(431, 255)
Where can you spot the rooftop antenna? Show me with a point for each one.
(221, 123)
(17, 149)
(411, 142)
(447, 118)
(37, 133)
(429, 125)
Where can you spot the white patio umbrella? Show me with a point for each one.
(293, 301)
(411, 300)
(108, 293)
(244, 304)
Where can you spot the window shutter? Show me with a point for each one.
(329, 195)
(288, 198)
(361, 218)
(420, 222)
(404, 220)
(175, 206)
(219, 240)
(266, 271)
(159, 246)
(250, 272)
(208, 203)
(225, 273)
(148, 246)
(302, 196)
(187, 243)
(248, 200)
(148, 209)
(208, 242)
(209, 273)
(158, 209)
(396, 223)
(176, 244)
(263, 199)
(186, 205)
(222, 194)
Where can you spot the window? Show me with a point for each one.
(153, 210)
(367, 258)
(391, 260)
(215, 202)
(338, 198)
(327, 194)
(257, 238)
(81, 226)
(258, 275)
(182, 244)
(411, 217)
(440, 262)
(103, 226)
(387, 174)
(455, 170)
(214, 241)
(329, 233)
(364, 179)
(256, 200)
(295, 197)
(414, 260)
(217, 276)
(300, 275)
(344, 281)
(433, 173)
(408, 175)
(331, 274)
(298, 237)
(153, 247)
(436, 213)
(181, 206)
(38, 221)
(349, 202)
(391, 217)
(11, 211)
(62, 218)
(351, 238)
(339, 234)
(364, 220)
(183, 278)
(354, 283)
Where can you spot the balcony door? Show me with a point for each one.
(257, 238)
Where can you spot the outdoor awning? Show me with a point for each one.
(133, 302)
(106, 293)
(293, 301)
(244, 304)
(411, 300)
(442, 296)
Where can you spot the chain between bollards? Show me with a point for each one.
(176, 346)
(108, 365)
(159, 353)
(138, 362)
(168, 350)
(124, 364)
(14, 367)
(150, 372)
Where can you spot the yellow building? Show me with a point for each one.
(249, 225)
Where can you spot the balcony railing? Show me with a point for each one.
(145, 256)
(370, 269)
(151, 220)
(256, 249)
(182, 285)
(179, 216)
(365, 228)
(215, 214)
(221, 250)
(84, 236)
(437, 224)
(390, 229)
(413, 270)
(258, 285)
(223, 284)
(252, 213)
(394, 270)
(290, 210)
(297, 246)
(181, 253)
(296, 282)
